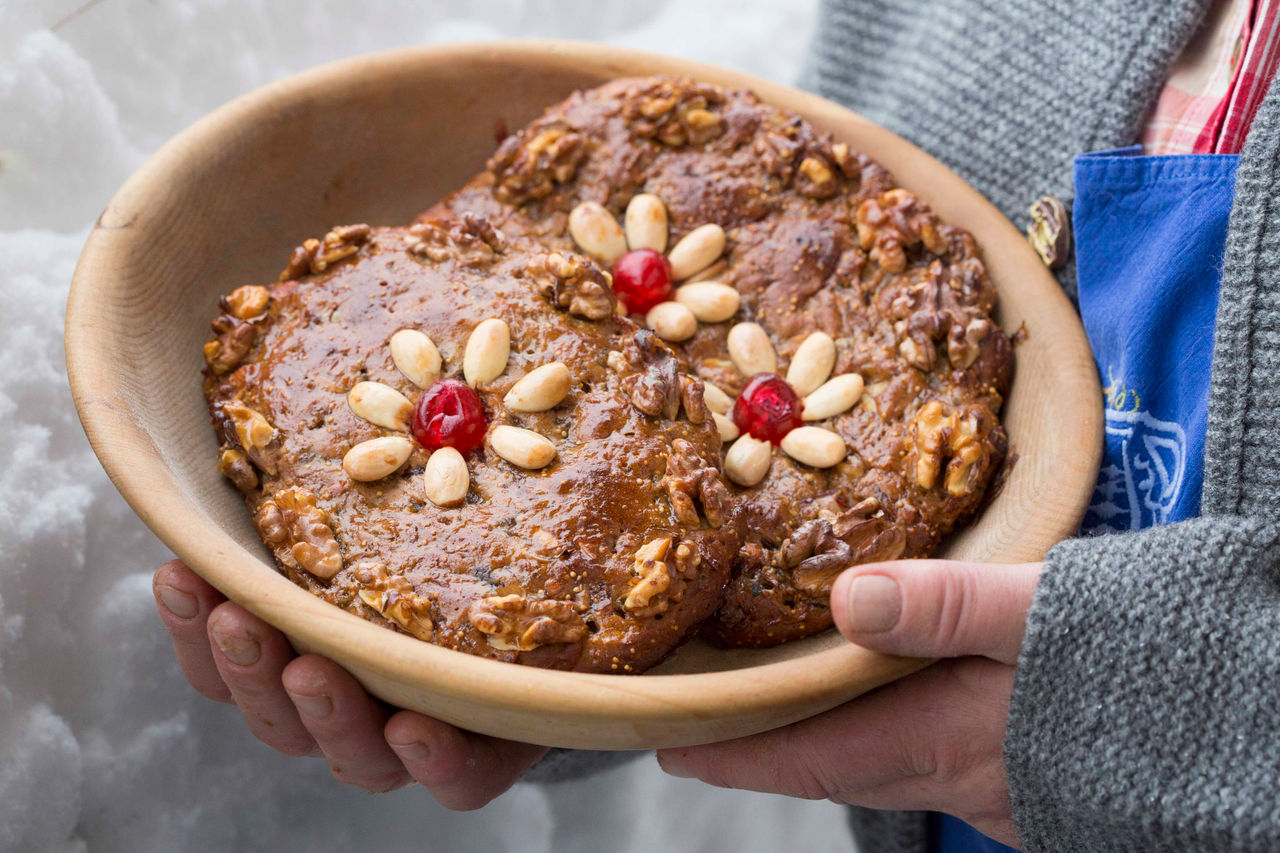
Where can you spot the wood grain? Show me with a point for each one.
(377, 139)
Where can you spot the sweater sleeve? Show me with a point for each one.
(1146, 708)
(563, 765)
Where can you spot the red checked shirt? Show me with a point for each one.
(1216, 85)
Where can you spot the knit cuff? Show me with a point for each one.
(1144, 708)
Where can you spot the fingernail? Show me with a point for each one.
(414, 750)
(240, 649)
(179, 603)
(313, 706)
(875, 603)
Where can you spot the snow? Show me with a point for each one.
(103, 746)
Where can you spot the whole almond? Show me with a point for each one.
(716, 399)
(376, 458)
(646, 222)
(812, 363)
(416, 357)
(540, 389)
(751, 351)
(710, 301)
(487, 351)
(446, 479)
(380, 405)
(814, 446)
(671, 321)
(522, 447)
(596, 232)
(696, 251)
(747, 460)
(836, 396)
(727, 428)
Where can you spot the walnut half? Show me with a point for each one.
(299, 533)
(675, 112)
(819, 550)
(529, 165)
(689, 482)
(573, 283)
(659, 388)
(231, 342)
(959, 439)
(471, 240)
(316, 256)
(893, 222)
(661, 571)
(394, 598)
(514, 622)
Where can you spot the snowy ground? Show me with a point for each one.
(102, 744)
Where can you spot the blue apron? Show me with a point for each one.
(1149, 240)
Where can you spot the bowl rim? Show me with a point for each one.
(143, 480)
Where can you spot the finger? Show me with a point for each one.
(346, 723)
(931, 741)
(462, 770)
(936, 608)
(251, 656)
(184, 601)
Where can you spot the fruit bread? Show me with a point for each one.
(829, 313)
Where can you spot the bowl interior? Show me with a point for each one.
(378, 139)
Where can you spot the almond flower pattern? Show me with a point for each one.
(636, 252)
(809, 392)
(772, 410)
(448, 418)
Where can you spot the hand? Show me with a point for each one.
(309, 705)
(933, 740)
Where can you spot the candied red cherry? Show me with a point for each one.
(767, 408)
(641, 279)
(449, 414)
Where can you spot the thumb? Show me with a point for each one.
(936, 608)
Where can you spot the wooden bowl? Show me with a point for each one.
(377, 139)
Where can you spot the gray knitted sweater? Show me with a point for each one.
(1146, 706)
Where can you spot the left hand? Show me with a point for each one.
(933, 740)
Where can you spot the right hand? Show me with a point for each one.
(309, 705)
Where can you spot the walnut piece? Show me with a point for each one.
(690, 481)
(791, 151)
(654, 578)
(316, 256)
(815, 178)
(248, 430)
(515, 622)
(573, 283)
(394, 598)
(893, 222)
(937, 305)
(299, 532)
(529, 165)
(471, 240)
(819, 550)
(964, 343)
(233, 338)
(657, 387)
(235, 466)
(674, 112)
(940, 434)
(247, 302)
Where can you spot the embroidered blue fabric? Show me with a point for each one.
(1149, 239)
